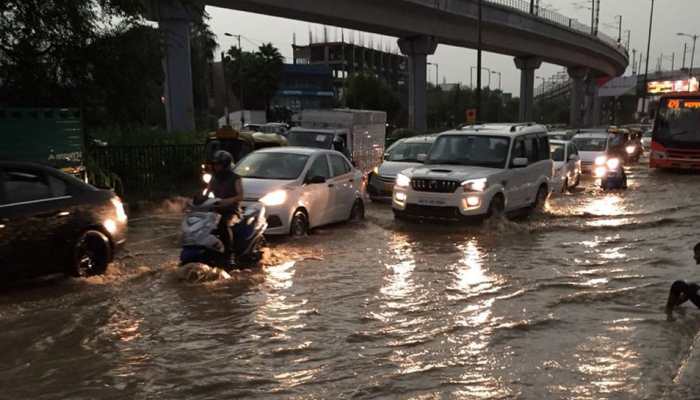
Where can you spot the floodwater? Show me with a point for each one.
(565, 305)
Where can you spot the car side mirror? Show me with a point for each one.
(314, 180)
(386, 156)
(520, 162)
(422, 157)
(574, 157)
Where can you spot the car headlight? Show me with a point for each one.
(206, 178)
(600, 160)
(613, 163)
(600, 172)
(631, 149)
(402, 180)
(474, 185)
(119, 209)
(376, 170)
(275, 198)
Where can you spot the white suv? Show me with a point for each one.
(479, 170)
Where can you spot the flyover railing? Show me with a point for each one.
(559, 19)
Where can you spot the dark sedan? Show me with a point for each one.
(51, 222)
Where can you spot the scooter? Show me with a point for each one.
(201, 241)
(611, 174)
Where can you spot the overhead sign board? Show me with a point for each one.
(685, 85)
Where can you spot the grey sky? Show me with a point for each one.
(670, 17)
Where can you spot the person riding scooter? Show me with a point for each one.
(226, 186)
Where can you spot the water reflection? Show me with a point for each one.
(398, 283)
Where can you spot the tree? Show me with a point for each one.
(258, 73)
(371, 93)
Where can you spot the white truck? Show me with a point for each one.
(257, 117)
(359, 134)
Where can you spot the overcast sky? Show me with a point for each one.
(670, 17)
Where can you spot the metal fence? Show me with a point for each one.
(146, 172)
(559, 19)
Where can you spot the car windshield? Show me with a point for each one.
(282, 166)
(473, 150)
(317, 140)
(557, 150)
(407, 152)
(591, 144)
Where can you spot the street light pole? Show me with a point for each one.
(685, 51)
(499, 78)
(544, 84)
(223, 75)
(478, 62)
(437, 72)
(646, 70)
(619, 29)
(629, 36)
(692, 56)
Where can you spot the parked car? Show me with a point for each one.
(403, 154)
(51, 222)
(567, 165)
(478, 171)
(593, 146)
(302, 188)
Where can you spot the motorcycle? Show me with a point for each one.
(611, 174)
(202, 243)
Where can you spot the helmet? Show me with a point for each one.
(222, 157)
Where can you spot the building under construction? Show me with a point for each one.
(345, 58)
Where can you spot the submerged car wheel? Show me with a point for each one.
(300, 224)
(540, 200)
(92, 255)
(497, 207)
(358, 211)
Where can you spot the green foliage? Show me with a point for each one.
(447, 109)
(552, 111)
(141, 136)
(367, 92)
(257, 73)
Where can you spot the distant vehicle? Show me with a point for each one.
(611, 174)
(676, 137)
(646, 140)
(478, 171)
(275, 127)
(248, 117)
(567, 165)
(593, 146)
(252, 127)
(302, 188)
(51, 222)
(403, 154)
(359, 134)
(561, 135)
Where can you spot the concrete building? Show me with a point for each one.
(345, 59)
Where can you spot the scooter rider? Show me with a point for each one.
(682, 291)
(227, 187)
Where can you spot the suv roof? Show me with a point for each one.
(508, 130)
(419, 139)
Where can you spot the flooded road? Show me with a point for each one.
(566, 305)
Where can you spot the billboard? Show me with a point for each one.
(661, 87)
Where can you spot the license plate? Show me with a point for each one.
(431, 202)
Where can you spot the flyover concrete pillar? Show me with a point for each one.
(527, 67)
(578, 93)
(417, 48)
(592, 109)
(174, 25)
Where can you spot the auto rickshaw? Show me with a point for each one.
(238, 144)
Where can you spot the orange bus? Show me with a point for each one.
(675, 142)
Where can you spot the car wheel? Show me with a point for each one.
(540, 200)
(358, 211)
(497, 207)
(92, 255)
(300, 224)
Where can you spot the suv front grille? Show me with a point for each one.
(434, 185)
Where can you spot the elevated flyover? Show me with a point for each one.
(508, 28)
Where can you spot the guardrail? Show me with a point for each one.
(146, 172)
(559, 19)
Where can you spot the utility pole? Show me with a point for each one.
(619, 29)
(629, 37)
(592, 17)
(685, 51)
(634, 61)
(223, 75)
(646, 70)
(240, 76)
(692, 56)
(478, 63)
(597, 16)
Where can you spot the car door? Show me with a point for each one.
(317, 196)
(576, 163)
(32, 215)
(515, 184)
(535, 169)
(343, 187)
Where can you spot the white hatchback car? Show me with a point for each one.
(301, 188)
(567, 165)
(592, 147)
(478, 171)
